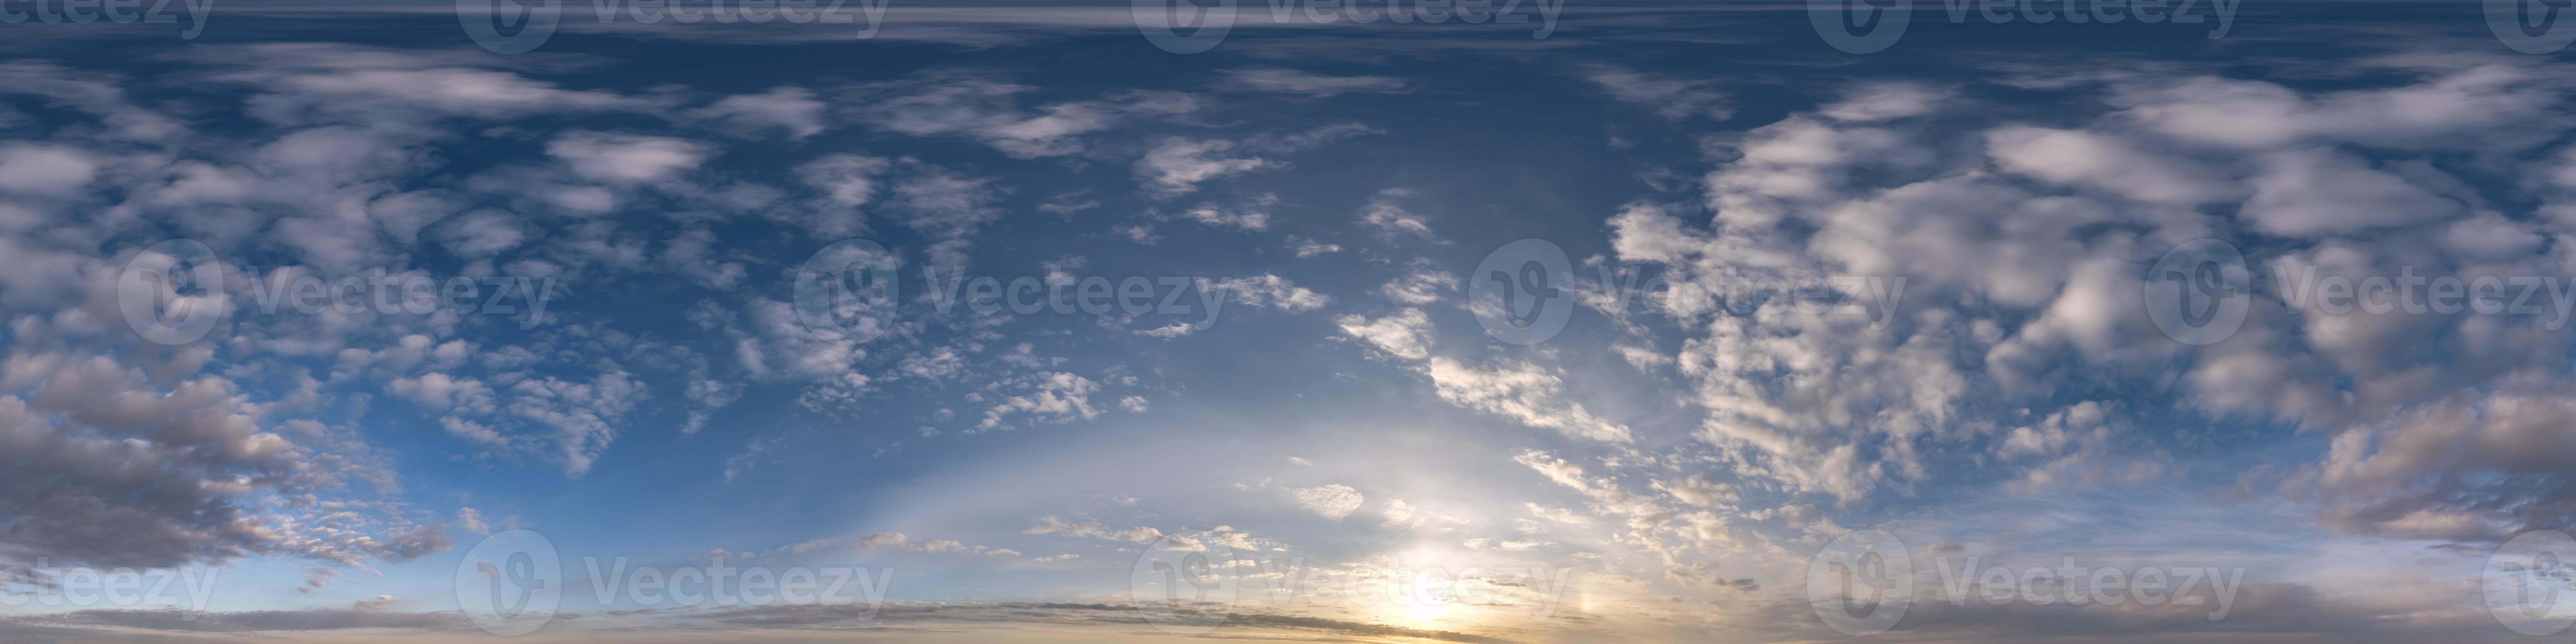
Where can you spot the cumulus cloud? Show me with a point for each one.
(2310, 193)
(1053, 397)
(792, 109)
(104, 468)
(45, 169)
(626, 158)
(1329, 501)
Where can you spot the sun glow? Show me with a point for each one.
(1424, 614)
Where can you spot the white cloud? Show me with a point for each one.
(1522, 391)
(790, 108)
(1883, 100)
(2103, 162)
(1404, 334)
(1289, 81)
(626, 158)
(1053, 397)
(2309, 193)
(1669, 97)
(583, 415)
(1559, 515)
(985, 106)
(1419, 287)
(45, 169)
(1384, 213)
(1309, 248)
(446, 394)
(843, 183)
(1329, 501)
(1401, 514)
(1270, 291)
(1177, 165)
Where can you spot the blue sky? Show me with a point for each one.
(1932, 268)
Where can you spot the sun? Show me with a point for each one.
(1423, 614)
